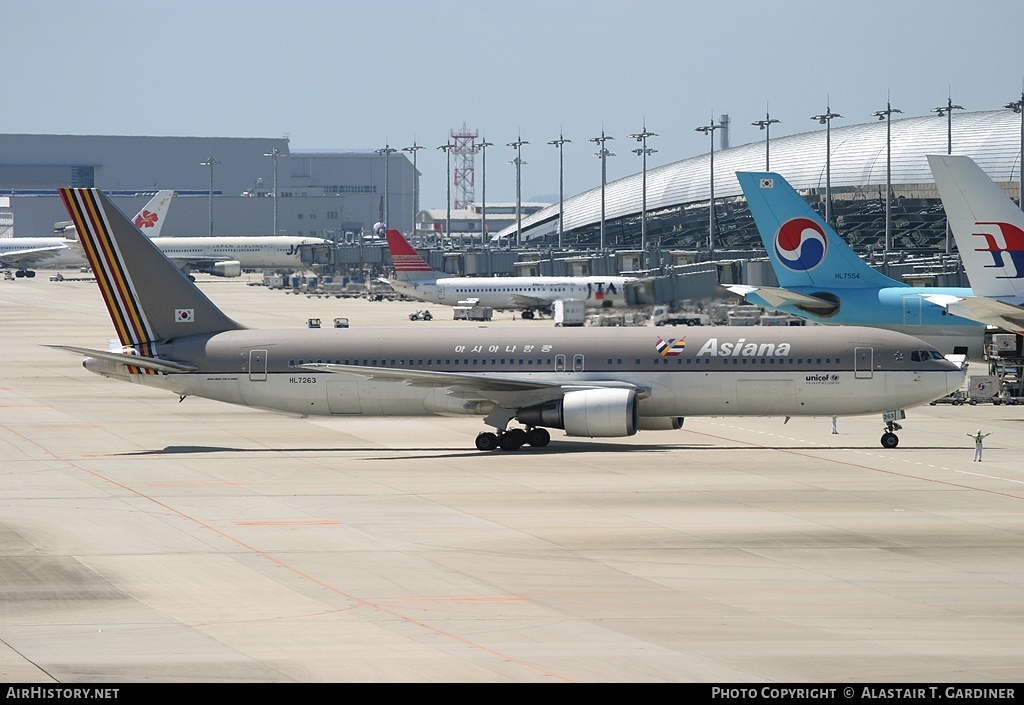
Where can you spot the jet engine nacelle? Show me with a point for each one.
(228, 268)
(589, 412)
(661, 423)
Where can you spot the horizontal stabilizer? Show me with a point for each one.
(978, 308)
(777, 297)
(149, 363)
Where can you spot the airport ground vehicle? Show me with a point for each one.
(662, 316)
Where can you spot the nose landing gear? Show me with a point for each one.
(889, 438)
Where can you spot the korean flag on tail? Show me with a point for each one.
(184, 315)
(767, 182)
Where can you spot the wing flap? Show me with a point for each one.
(486, 386)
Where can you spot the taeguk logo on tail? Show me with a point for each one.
(800, 244)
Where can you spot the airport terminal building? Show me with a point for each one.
(855, 157)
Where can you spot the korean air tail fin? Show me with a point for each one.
(987, 225)
(409, 265)
(803, 249)
(149, 299)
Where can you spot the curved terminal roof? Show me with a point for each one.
(992, 138)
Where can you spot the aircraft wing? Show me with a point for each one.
(149, 363)
(985, 310)
(197, 262)
(521, 300)
(21, 258)
(505, 391)
(776, 297)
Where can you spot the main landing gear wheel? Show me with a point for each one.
(513, 439)
(538, 437)
(486, 441)
(890, 440)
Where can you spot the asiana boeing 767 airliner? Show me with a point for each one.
(589, 382)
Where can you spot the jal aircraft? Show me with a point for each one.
(25, 252)
(222, 255)
(589, 382)
(989, 232)
(822, 280)
(415, 278)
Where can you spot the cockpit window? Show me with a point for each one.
(925, 355)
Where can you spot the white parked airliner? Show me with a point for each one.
(224, 255)
(415, 278)
(23, 253)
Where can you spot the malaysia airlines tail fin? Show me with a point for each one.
(149, 299)
(804, 250)
(150, 219)
(409, 265)
(987, 225)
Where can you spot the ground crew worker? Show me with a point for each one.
(978, 437)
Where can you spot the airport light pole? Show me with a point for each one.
(561, 184)
(643, 151)
(887, 116)
(387, 150)
(766, 125)
(518, 145)
(447, 149)
(275, 153)
(483, 190)
(603, 155)
(210, 162)
(826, 119)
(415, 183)
(709, 129)
(947, 111)
(1017, 106)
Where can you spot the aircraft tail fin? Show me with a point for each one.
(987, 225)
(149, 299)
(804, 250)
(150, 219)
(409, 265)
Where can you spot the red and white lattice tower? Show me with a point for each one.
(464, 148)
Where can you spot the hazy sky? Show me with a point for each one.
(339, 74)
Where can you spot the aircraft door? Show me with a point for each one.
(912, 310)
(559, 363)
(863, 363)
(577, 363)
(257, 365)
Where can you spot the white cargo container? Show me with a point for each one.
(570, 313)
